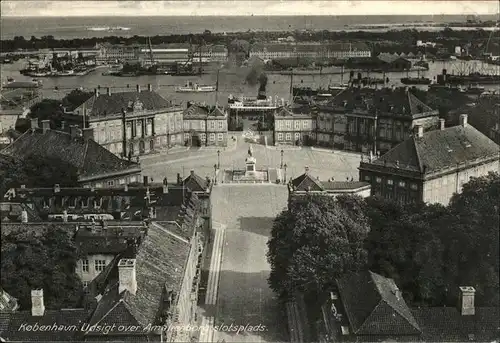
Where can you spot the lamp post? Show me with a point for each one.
(218, 159)
(281, 164)
(285, 166)
(215, 173)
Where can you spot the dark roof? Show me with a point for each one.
(306, 182)
(344, 185)
(446, 324)
(385, 101)
(63, 318)
(114, 103)
(202, 111)
(285, 112)
(195, 183)
(388, 58)
(160, 265)
(381, 310)
(90, 158)
(113, 240)
(440, 149)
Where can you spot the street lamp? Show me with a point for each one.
(218, 159)
(285, 166)
(215, 173)
(281, 164)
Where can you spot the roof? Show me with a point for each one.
(86, 155)
(306, 182)
(285, 112)
(114, 239)
(64, 319)
(7, 302)
(446, 324)
(114, 103)
(199, 111)
(388, 58)
(384, 102)
(380, 311)
(160, 265)
(440, 149)
(195, 183)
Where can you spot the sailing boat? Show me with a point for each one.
(340, 86)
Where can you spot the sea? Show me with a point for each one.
(88, 27)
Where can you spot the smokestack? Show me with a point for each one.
(108, 91)
(138, 88)
(442, 124)
(466, 301)
(150, 87)
(463, 120)
(37, 305)
(145, 181)
(96, 93)
(24, 216)
(45, 125)
(179, 179)
(165, 186)
(126, 276)
(34, 123)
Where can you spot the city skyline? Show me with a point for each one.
(16, 8)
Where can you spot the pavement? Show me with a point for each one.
(339, 165)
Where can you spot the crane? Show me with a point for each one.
(151, 52)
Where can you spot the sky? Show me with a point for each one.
(244, 7)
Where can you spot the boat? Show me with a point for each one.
(191, 87)
(416, 81)
(253, 104)
(339, 87)
(474, 89)
(473, 78)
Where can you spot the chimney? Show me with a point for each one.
(65, 216)
(192, 173)
(138, 88)
(124, 132)
(57, 188)
(24, 216)
(306, 170)
(37, 306)
(73, 130)
(63, 125)
(45, 125)
(419, 130)
(88, 133)
(34, 123)
(165, 186)
(150, 87)
(126, 276)
(108, 91)
(442, 125)
(466, 301)
(126, 188)
(463, 120)
(179, 179)
(96, 92)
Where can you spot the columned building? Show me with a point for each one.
(133, 123)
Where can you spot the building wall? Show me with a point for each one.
(209, 130)
(289, 130)
(394, 187)
(91, 274)
(441, 189)
(114, 181)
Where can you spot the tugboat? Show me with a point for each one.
(191, 87)
(416, 81)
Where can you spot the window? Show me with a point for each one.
(288, 136)
(100, 265)
(297, 136)
(202, 124)
(288, 124)
(85, 266)
(72, 203)
(203, 137)
(220, 137)
(402, 184)
(221, 124)
(297, 125)
(212, 137)
(280, 136)
(212, 124)
(122, 181)
(172, 138)
(378, 179)
(390, 182)
(111, 183)
(46, 203)
(367, 177)
(414, 186)
(186, 125)
(84, 202)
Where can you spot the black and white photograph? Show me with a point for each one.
(291, 171)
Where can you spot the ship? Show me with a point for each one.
(338, 87)
(475, 78)
(253, 104)
(474, 90)
(191, 87)
(416, 81)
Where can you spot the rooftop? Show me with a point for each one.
(307, 183)
(439, 150)
(86, 155)
(203, 111)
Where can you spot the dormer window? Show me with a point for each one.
(84, 203)
(46, 203)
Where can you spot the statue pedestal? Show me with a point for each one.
(250, 170)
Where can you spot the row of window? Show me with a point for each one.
(203, 137)
(390, 182)
(189, 124)
(288, 136)
(282, 124)
(99, 265)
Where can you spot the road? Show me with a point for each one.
(245, 303)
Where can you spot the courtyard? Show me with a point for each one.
(323, 164)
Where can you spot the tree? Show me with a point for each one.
(316, 240)
(75, 99)
(48, 109)
(41, 261)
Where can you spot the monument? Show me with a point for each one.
(250, 174)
